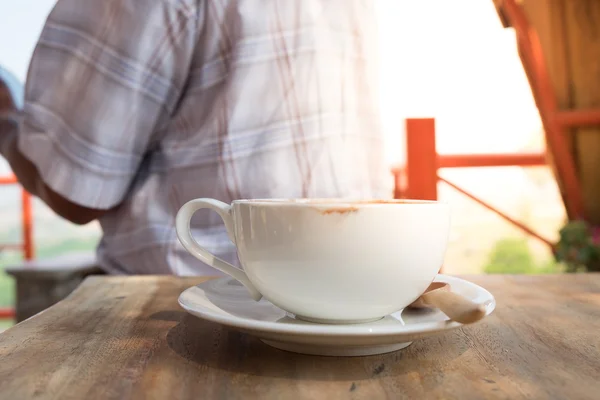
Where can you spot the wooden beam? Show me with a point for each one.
(578, 118)
(534, 62)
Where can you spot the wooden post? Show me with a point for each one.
(421, 159)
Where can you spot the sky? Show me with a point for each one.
(20, 24)
(453, 60)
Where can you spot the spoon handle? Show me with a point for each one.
(455, 306)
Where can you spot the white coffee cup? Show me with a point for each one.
(329, 261)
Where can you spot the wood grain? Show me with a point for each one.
(569, 31)
(582, 20)
(126, 338)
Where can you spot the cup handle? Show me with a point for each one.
(184, 233)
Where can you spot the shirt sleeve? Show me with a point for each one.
(103, 79)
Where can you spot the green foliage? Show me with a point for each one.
(7, 290)
(579, 247)
(5, 324)
(66, 247)
(513, 256)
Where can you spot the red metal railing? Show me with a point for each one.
(420, 178)
(27, 245)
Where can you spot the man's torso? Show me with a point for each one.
(280, 102)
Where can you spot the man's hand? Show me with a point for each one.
(6, 100)
(7, 110)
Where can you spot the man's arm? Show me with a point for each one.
(102, 77)
(26, 172)
(28, 176)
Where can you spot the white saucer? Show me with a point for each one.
(226, 302)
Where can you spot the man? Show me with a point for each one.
(133, 107)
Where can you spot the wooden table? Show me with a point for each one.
(126, 337)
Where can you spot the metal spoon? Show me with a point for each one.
(455, 306)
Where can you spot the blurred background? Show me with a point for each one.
(454, 61)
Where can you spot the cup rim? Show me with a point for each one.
(338, 202)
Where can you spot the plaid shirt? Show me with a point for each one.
(138, 106)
